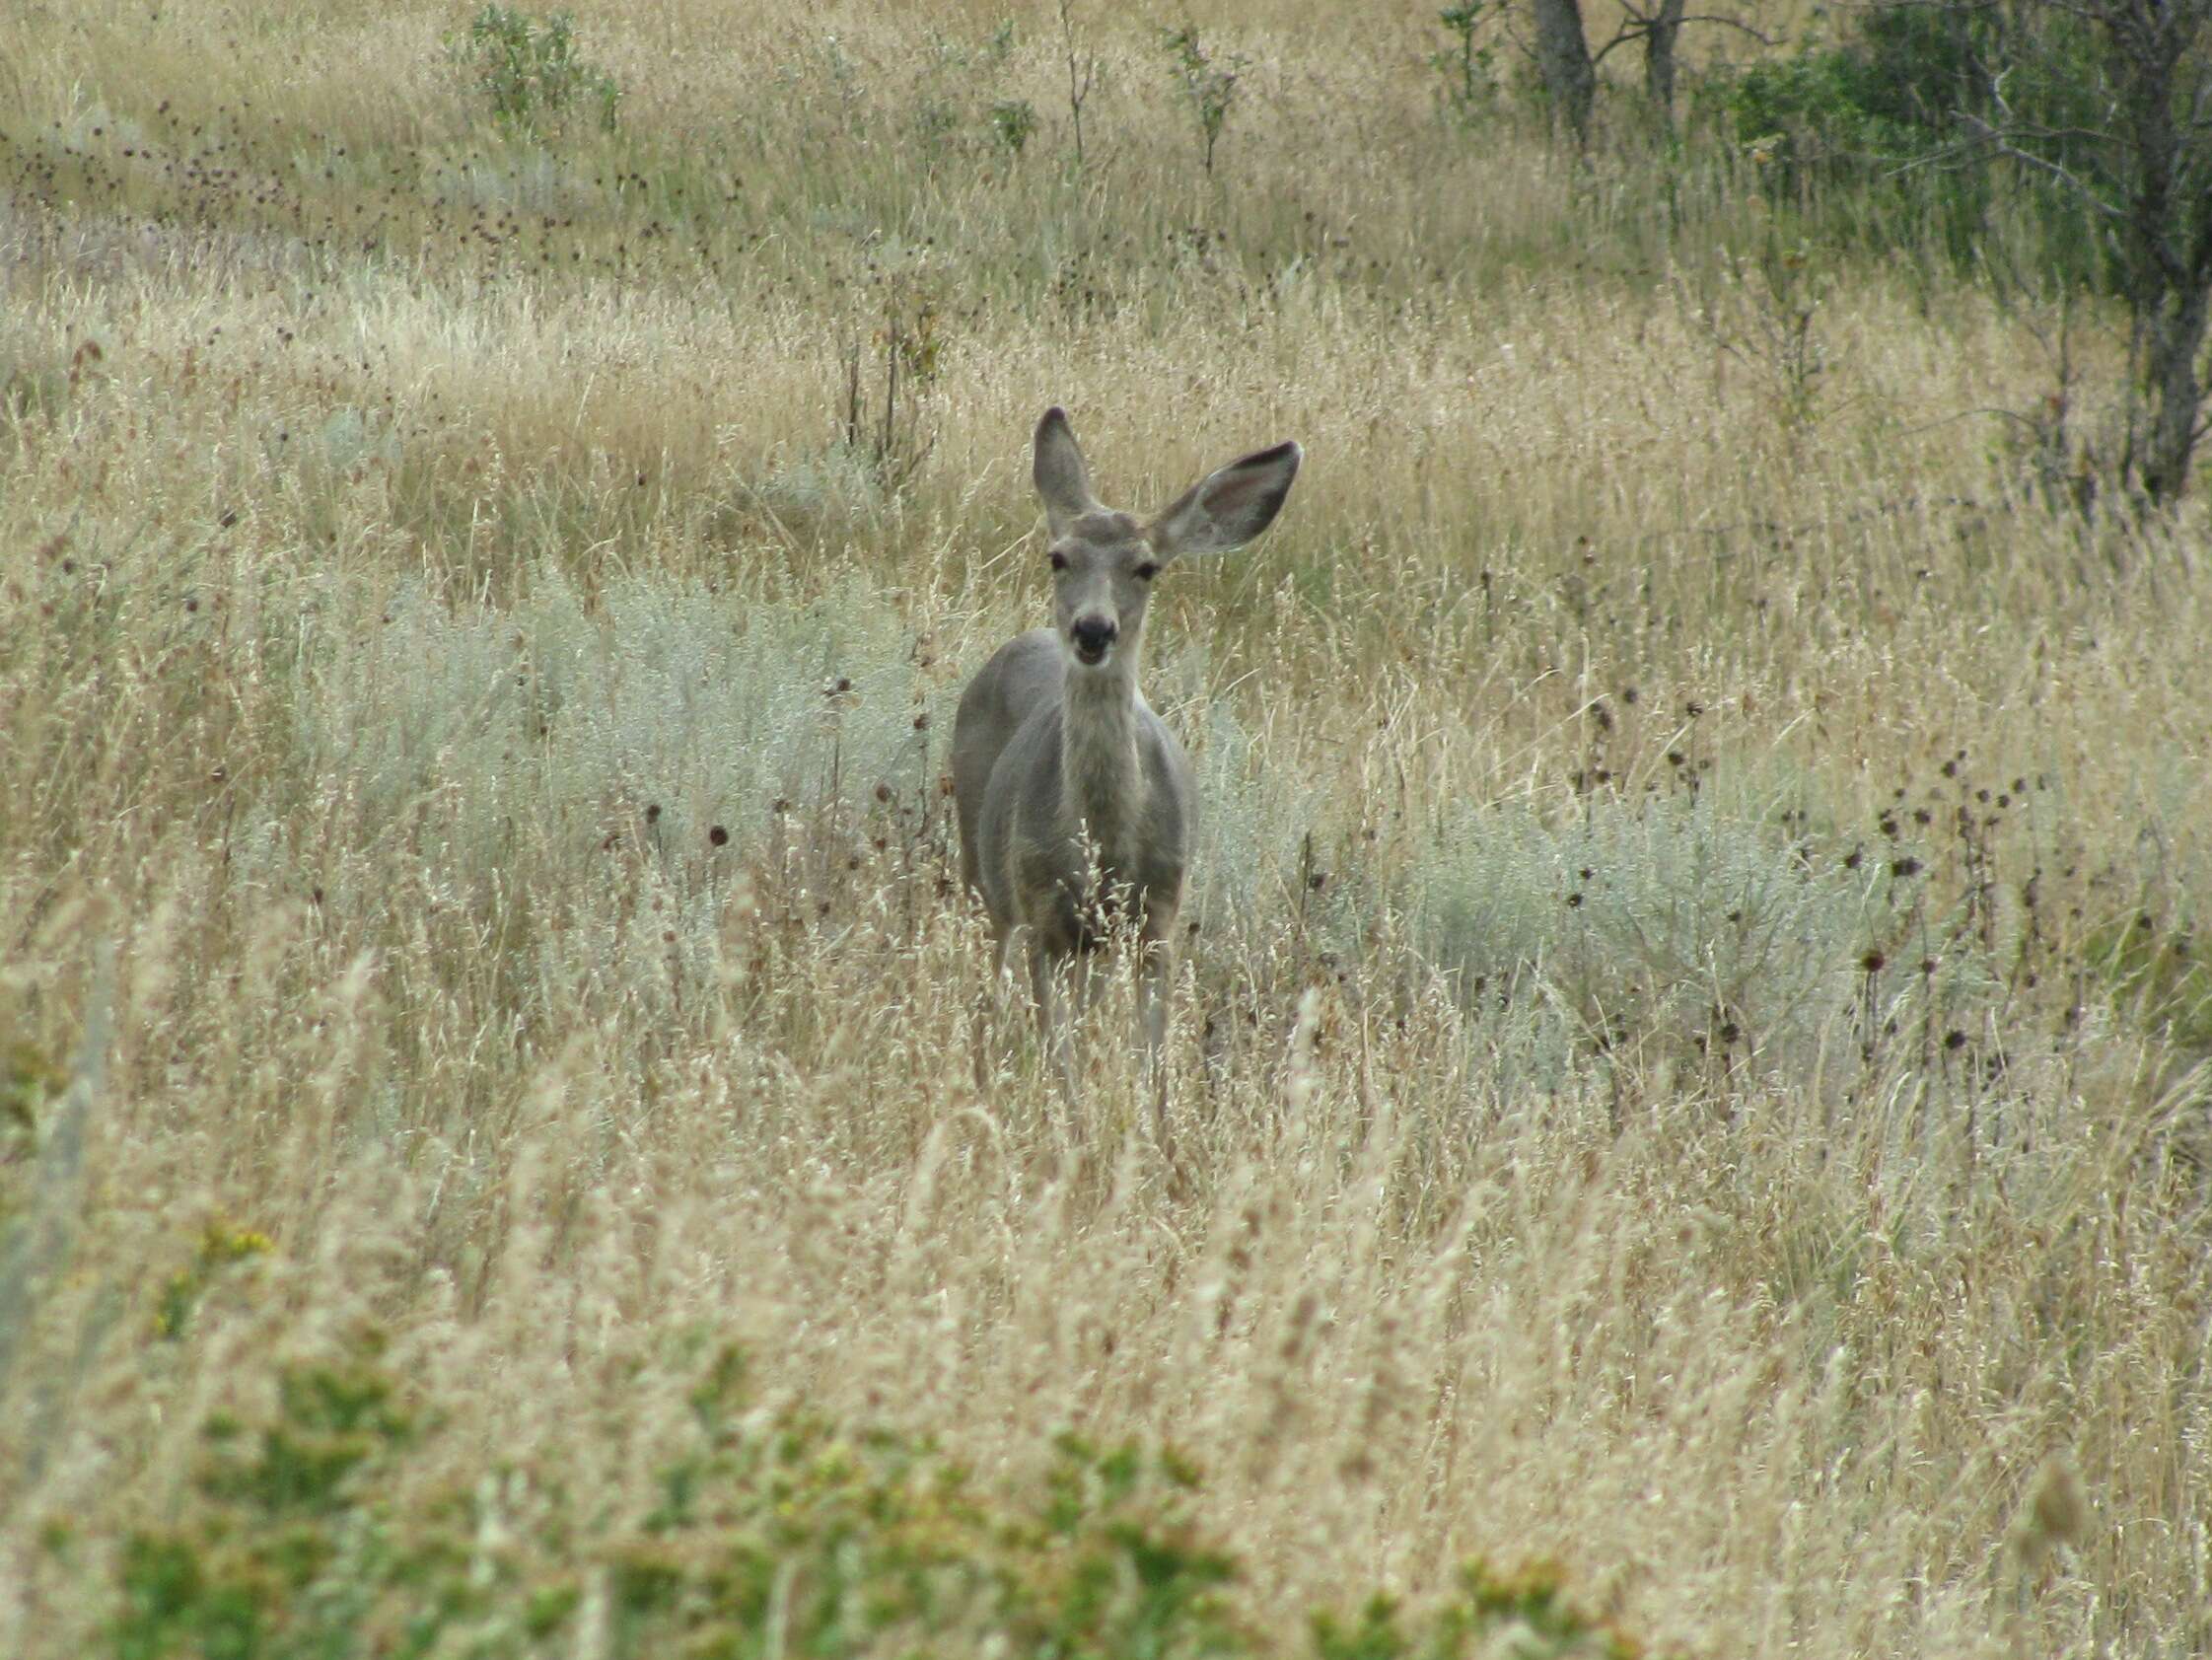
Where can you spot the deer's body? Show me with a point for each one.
(1093, 783)
(1076, 803)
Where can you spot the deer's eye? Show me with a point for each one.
(1059, 561)
(1147, 571)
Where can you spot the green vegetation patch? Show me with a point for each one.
(2158, 973)
(313, 1532)
(530, 70)
(1890, 120)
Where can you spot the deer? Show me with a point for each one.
(1076, 803)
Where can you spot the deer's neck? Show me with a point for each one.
(1102, 771)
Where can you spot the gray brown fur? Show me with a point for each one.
(1076, 803)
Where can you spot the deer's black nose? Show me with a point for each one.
(1092, 636)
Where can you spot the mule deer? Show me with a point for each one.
(1076, 803)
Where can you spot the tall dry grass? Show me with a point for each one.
(1689, 1064)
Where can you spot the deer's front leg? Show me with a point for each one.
(1155, 969)
(1051, 1029)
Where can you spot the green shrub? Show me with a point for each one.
(771, 1532)
(1886, 124)
(1014, 120)
(1207, 82)
(528, 69)
(1467, 66)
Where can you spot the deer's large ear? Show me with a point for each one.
(1227, 508)
(1061, 477)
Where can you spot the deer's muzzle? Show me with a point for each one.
(1093, 637)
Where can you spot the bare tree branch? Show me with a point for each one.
(2141, 167)
(2003, 146)
(1637, 26)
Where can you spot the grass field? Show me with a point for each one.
(1688, 1080)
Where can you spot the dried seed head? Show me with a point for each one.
(2056, 1514)
(2060, 1508)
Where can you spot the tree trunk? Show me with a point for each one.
(1661, 31)
(1563, 59)
(2168, 242)
(2172, 337)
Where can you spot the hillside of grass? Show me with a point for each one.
(1686, 1082)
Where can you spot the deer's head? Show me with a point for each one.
(1103, 561)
